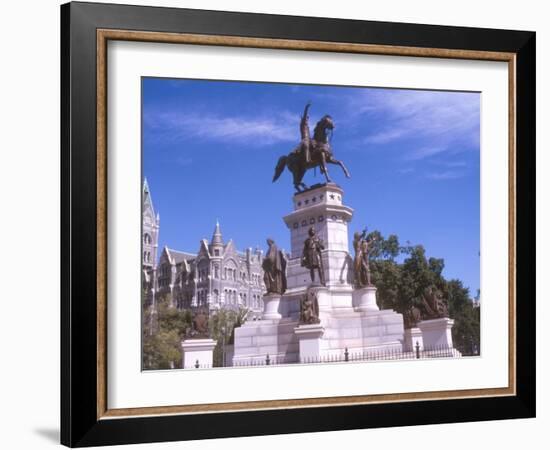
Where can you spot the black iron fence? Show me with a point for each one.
(383, 354)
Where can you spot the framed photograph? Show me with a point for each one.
(276, 224)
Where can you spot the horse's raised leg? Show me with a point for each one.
(341, 164)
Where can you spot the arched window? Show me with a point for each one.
(147, 238)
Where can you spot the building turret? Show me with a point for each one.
(216, 244)
(151, 228)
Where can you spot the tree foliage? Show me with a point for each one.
(163, 329)
(222, 326)
(402, 274)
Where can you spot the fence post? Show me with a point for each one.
(197, 364)
(417, 350)
(346, 355)
(267, 360)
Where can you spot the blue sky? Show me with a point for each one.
(210, 148)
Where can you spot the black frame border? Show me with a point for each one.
(79, 423)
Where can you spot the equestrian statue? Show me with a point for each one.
(310, 152)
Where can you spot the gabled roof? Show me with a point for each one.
(178, 256)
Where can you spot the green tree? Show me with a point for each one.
(466, 330)
(386, 276)
(402, 274)
(222, 326)
(163, 329)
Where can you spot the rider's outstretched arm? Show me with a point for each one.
(304, 123)
(306, 109)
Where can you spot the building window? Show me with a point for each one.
(147, 238)
(217, 252)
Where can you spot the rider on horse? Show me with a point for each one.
(319, 144)
(310, 153)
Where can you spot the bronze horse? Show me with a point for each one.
(310, 153)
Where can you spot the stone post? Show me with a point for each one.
(436, 333)
(411, 338)
(198, 353)
(309, 337)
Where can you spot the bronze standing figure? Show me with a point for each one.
(274, 265)
(311, 152)
(361, 266)
(311, 256)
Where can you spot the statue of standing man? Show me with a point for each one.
(311, 256)
(361, 267)
(274, 266)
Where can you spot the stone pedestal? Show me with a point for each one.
(412, 337)
(320, 207)
(436, 333)
(272, 306)
(197, 353)
(364, 299)
(309, 337)
(348, 320)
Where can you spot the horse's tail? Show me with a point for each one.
(279, 168)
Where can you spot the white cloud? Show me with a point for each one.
(256, 131)
(442, 118)
(385, 136)
(450, 164)
(424, 152)
(446, 175)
